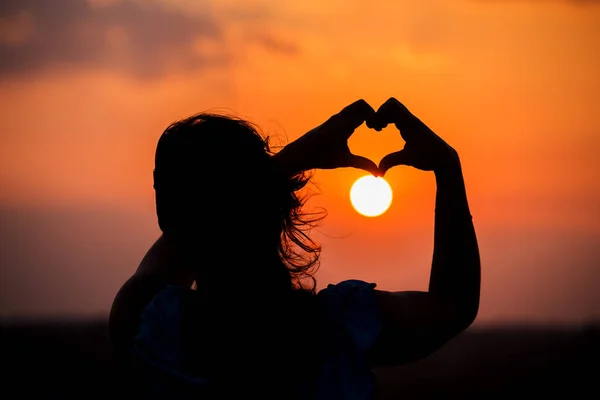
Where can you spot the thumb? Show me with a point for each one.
(401, 157)
(363, 163)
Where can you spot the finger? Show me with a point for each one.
(364, 164)
(394, 112)
(401, 157)
(354, 115)
(373, 122)
(383, 116)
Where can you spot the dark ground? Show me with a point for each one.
(73, 360)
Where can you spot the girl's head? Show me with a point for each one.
(222, 200)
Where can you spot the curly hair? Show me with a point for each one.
(272, 202)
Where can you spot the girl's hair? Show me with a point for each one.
(215, 172)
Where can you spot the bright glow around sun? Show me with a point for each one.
(371, 196)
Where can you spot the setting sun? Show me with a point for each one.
(371, 196)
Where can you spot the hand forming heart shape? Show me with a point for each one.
(326, 146)
(423, 150)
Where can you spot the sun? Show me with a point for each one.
(371, 196)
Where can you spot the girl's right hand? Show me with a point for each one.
(423, 150)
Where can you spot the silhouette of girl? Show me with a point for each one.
(224, 303)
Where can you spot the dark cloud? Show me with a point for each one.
(274, 44)
(144, 39)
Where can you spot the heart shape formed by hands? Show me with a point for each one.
(326, 146)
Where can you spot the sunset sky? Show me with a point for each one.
(86, 88)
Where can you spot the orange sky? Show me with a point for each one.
(512, 85)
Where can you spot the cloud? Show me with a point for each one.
(140, 38)
(274, 44)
